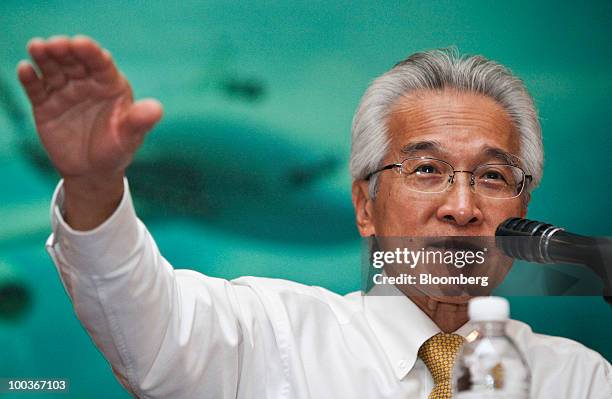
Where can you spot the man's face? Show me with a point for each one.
(464, 129)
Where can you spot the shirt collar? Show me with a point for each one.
(400, 326)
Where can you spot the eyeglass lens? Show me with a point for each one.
(432, 176)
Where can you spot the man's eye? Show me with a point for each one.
(493, 175)
(425, 169)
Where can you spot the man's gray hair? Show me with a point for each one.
(436, 70)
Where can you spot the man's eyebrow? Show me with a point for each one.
(434, 146)
(503, 156)
(411, 148)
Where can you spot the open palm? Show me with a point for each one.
(83, 107)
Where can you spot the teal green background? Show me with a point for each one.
(311, 63)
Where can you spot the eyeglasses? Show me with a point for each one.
(431, 175)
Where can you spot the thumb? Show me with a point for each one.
(140, 117)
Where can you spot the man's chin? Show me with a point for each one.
(453, 300)
(460, 297)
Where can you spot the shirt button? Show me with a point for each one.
(401, 364)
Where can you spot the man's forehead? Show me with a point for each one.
(451, 121)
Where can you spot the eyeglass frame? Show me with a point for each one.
(527, 179)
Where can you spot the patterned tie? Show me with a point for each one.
(438, 354)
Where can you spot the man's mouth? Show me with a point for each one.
(456, 243)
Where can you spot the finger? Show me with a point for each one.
(51, 72)
(98, 61)
(32, 84)
(107, 73)
(143, 115)
(138, 120)
(59, 49)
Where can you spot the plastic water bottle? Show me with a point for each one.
(489, 365)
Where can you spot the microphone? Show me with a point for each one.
(552, 244)
(555, 245)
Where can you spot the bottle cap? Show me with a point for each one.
(489, 308)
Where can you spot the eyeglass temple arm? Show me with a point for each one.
(526, 180)
(390, 166)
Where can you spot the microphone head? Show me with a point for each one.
(519, 227)
(522, 247)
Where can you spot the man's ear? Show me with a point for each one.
(525, 205)
(363, 208)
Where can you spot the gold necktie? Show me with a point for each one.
(438, 354)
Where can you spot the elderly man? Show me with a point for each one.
(180, 334)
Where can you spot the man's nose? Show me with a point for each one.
(460, 207)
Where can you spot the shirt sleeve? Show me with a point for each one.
(562, 368)
(166, 333)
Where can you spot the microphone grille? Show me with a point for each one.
(522, 227)
(513, 237)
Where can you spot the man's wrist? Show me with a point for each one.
(88, 202)
(93, 185)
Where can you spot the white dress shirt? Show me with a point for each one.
(171, 333)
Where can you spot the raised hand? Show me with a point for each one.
(86, 120)
(83, 107)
